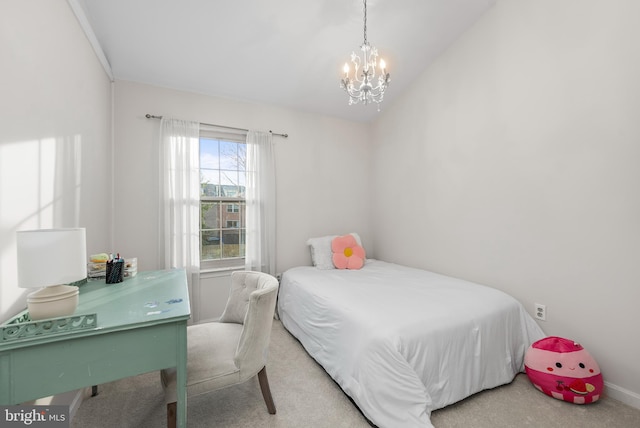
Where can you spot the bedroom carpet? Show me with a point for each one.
(306, 396)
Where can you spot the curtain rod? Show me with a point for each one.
(151, 116)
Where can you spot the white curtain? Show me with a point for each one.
(260, 252)
(180, 196)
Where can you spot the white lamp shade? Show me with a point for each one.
(51, 257)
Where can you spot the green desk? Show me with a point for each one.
(141, 326)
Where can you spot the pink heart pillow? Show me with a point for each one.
(347, 254)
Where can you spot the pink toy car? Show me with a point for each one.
(563, 369)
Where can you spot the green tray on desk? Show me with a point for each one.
(22, 326)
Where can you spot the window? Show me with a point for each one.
(222, 199)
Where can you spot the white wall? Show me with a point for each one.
(322, 169)
(55, 133)
(513, 162)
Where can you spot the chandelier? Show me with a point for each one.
(361, 87)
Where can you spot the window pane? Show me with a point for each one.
(210, 176)
(209, 183)
(242, 241)
(210, 215)
(230, 216)
(210, 248)
(242, 156)
(209, 153)
(229, 155)
(229, 177)
(231, 243)
(242, 179)
(210, 190)
(243, 213)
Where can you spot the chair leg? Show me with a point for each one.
(171, 415)
(266, 392)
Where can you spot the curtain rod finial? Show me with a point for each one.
(280, 135)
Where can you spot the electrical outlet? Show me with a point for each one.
(540, 312)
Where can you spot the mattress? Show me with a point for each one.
(402, 342)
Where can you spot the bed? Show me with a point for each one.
(402, 342)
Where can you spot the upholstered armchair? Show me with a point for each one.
(232, 350)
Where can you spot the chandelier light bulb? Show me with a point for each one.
(383, 65)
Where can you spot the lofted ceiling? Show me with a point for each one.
(287, 53)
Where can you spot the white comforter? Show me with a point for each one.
(403, 342)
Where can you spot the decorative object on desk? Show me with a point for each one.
(96, 270)
(52, 259)
(97, 266)
(99, 258)
(130, 267)
(22, 327)
(115, 270)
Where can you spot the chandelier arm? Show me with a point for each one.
(372, 60)
(356, 65)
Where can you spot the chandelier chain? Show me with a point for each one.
(365, 21)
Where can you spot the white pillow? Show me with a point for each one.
(321, 255)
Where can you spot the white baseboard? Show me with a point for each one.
(78, 398)
(621, 394)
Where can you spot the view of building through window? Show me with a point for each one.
(222, 199)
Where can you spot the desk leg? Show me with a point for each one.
(181, 376)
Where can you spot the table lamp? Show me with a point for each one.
(51, 259)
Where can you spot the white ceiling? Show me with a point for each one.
(287, 53)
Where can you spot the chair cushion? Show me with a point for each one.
(211, 348)
(242, 285)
